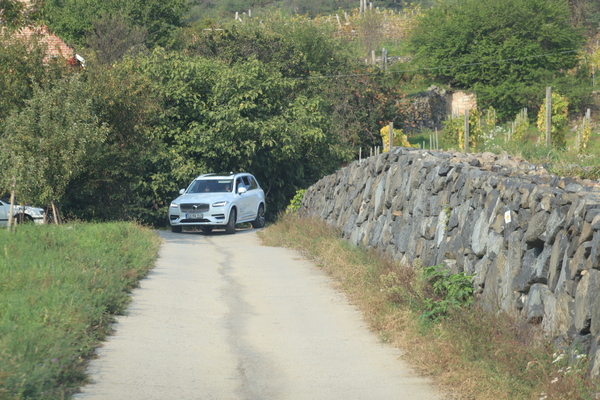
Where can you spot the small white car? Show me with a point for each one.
(219, 201)
(21, 214)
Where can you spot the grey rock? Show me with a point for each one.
(556, 221)
(479, 238)
(537, 226)
(533, 311)
(557, 258)
(586, 296)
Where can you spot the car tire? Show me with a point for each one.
(206, 229)
(176, 229)
(230, 227)
(259, 222)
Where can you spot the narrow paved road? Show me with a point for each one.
(222, 317)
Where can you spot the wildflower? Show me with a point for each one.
(557, 359)
(554, 380)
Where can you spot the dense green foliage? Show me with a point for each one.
(51, 140)
(507, 51)
(12, 12)
(72, 20)
(59, 297)
(21, 67)
(451, 292)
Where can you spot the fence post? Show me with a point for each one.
(548, 115)
(466, 131)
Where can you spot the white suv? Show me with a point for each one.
(219, 201)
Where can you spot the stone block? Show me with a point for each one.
(533, 310)
(557, 258)
(579, 261)
(479, 237)
(537, 227)
(557, 317)
(586, 297)
(481, 269)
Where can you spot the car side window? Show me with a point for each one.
(246, 182)
(253, 184)
(239, 184)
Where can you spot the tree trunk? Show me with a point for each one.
(12, 204)
(55, 211)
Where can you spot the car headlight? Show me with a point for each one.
(220, 203)
(174, 205)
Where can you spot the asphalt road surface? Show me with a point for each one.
(222, 317)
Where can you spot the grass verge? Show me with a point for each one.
(60, 287)
(471, 354)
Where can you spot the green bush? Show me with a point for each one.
(451, 291)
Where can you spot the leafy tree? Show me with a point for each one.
(112, 38)
(358, 103)
(11, 13)
(114, 185)
(23, 65)
(295, 46)
(505, 50)
(73, 20)
(50, 141)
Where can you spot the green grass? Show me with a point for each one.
(469, 353)
(60, 287)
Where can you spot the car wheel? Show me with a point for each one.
(206, 229)
(176, 229)
(259, 222)
(230, 227)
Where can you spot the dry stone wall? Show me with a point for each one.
(531, 239)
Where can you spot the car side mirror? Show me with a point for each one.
(242, 190)
(182, 191)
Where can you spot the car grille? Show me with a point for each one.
(189, 220)
(189, 207)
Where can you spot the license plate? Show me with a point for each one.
(194, 216)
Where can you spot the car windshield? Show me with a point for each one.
(211, 186)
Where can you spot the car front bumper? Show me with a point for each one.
(198, 219)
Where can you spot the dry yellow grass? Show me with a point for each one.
(470, 354)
